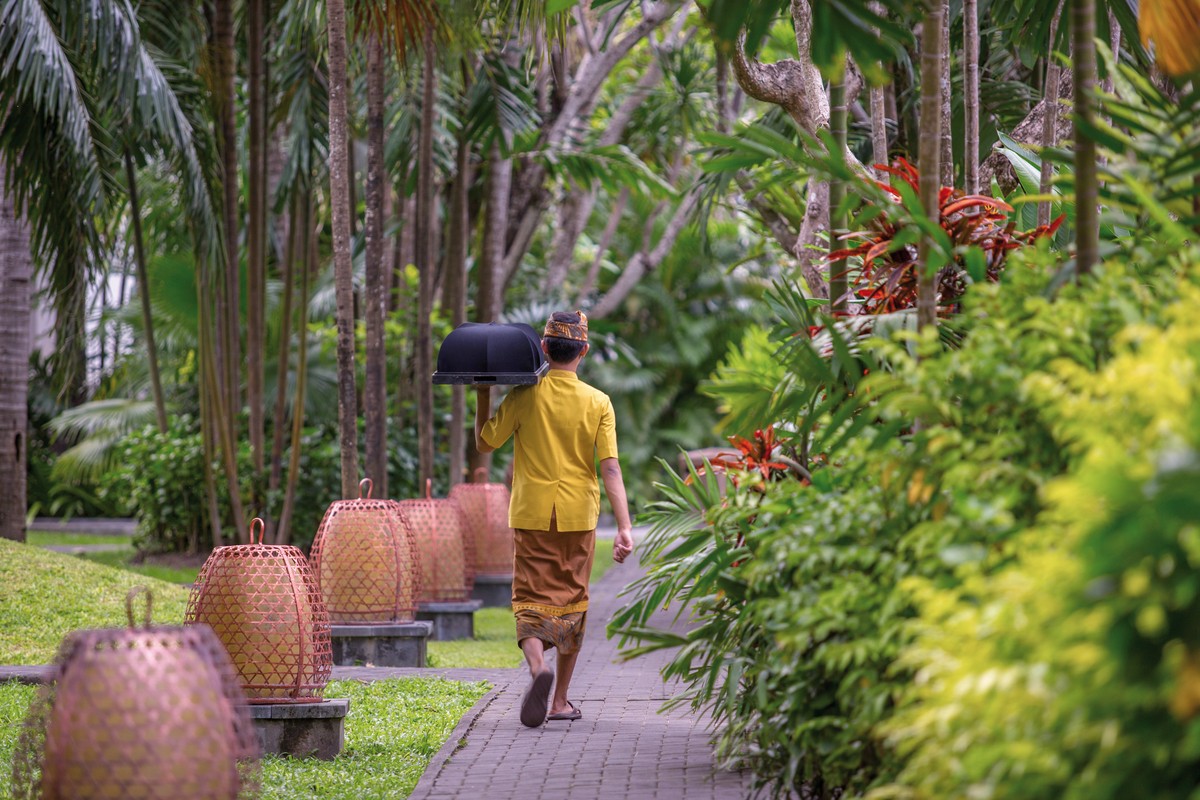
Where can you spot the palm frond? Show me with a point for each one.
(116, 415)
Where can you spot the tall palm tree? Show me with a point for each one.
(377, 283)
(143, 276)
(1050, 121)
(426, 255)
(228, 340)
(837, 188)
(1087, 195)
(68, 109)
(971, 96)
(932, 58)
(454, 294)
(339, 187)
(256, 228)
(16, 278)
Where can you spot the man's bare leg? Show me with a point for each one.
(566, 666)
(535, 654)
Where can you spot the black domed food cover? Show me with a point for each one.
(491, 353)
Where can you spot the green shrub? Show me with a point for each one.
(1070, 669)
(161, 477)
(804, 594)
(818, 634)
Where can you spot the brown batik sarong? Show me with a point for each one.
(550, 585)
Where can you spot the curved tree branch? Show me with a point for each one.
(644, 261)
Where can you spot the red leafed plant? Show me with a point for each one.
(756, 454)
(887, 279)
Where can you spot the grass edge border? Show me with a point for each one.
(453, 743)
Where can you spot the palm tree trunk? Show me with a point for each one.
(376, 290)
(16, 287)
(339, 189)
(491, 263)
(947, 154)
(208, 390)
(285, 341)
(229, 343)
(971, 96)
(500, 173)
(879, 137)
(139, 250)
(216, 419)
(1049, 121)
(426, 200)
(930, 154)
(879, 114)
(455, 297)
(283, 534)
(837, 189)
(404, 211)
(1087, 218)
(1114, 45)
(256, 230)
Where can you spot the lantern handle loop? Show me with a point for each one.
(365, 485)
(429, 488)
(481, 471)
(257, 525)
(134, 592)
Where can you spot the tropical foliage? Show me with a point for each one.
(979, 586)
(949, 550)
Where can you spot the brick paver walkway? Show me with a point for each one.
(622, 748)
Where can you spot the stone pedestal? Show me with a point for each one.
(384, 644)
(304, 730)
(450, 620)
(494, 591)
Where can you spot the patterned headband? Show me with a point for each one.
(568, 330)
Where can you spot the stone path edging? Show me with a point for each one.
(458, 738)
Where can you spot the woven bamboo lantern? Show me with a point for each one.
(265, 606)
(365, 558)
(485, 506)
(443, 547)
(145, 712)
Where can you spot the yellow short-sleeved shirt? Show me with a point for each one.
(561, 426)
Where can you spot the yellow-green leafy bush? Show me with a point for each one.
(1069, 665)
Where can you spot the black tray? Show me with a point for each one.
(491, 354)
(493, 379)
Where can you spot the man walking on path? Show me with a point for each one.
(561, 426)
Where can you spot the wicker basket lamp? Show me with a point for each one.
(443, 548)
(145, 712)
(264, 604)
(485, 506)
(365, 558)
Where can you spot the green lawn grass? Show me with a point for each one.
(393, 729)
(493, 647)
(14, 703)
(46, 594)
(603, 560)
(112, 558)
(48, 538)
(121, 560)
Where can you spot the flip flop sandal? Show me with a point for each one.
(569, 716)
(536, 700)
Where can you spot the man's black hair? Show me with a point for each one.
(564, 351)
